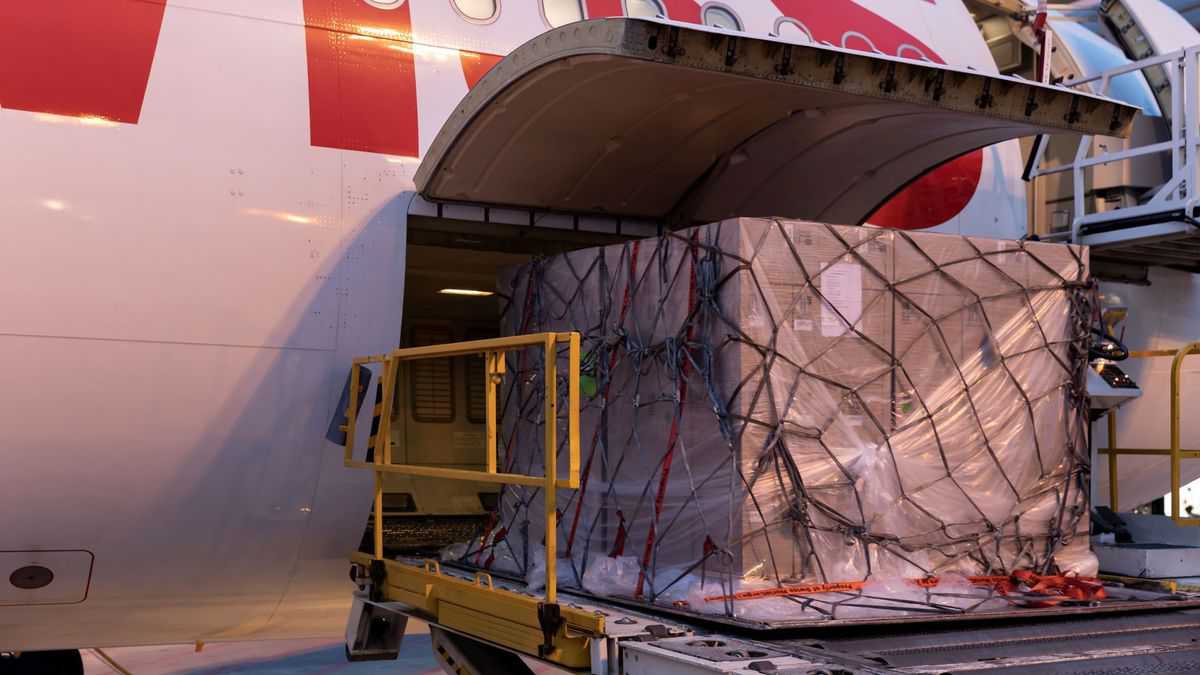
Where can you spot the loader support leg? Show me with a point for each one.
(458, 655)
(373, 633)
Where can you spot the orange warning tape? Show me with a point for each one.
(1055, 588)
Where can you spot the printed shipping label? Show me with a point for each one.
(841, 284)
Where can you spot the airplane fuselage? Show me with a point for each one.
(204, 205)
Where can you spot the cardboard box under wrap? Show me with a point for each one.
(770, 403)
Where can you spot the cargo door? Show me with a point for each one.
(631, 118)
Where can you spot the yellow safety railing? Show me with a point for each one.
(493, 352)
(1175, 452)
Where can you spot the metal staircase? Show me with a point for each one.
(1160, 227)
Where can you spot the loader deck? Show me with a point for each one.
(606, 635)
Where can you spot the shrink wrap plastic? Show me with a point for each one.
(770, 404)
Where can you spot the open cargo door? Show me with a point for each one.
(683, 125)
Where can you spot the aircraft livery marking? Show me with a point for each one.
(82, 59)
(362, 81)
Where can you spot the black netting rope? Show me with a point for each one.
(635, 373)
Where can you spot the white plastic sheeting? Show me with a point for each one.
(771, 403)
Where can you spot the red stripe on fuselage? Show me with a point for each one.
(475, 65)
(846, 23)
(86, 58)
(933, 198)
(597, 9)
(687, 11)
(362, 82)
(683, 10)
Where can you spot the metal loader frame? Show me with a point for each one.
(1182, 69)
(1175, 452)
(537, 627)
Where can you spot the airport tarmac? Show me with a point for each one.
(272, 657)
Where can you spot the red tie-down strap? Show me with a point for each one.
(1055, 588)
(500, 535)
(618, 548)
(492, 520)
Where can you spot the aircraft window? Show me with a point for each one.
(477, 10)
(561, 12)
(791, 30)
(646, 8)
(721, 17)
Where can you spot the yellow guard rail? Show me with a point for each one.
(493, 351)
(1175, 452)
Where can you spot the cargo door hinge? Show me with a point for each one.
(784, 67)
(939, 86)
(1073, 115)
(839, 69)
(985, 98)
(889, 83)
(1115, 122)
(673, 48)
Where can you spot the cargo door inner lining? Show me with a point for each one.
(674, 124)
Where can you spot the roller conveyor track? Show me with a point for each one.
(1158, 642)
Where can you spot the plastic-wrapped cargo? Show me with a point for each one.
(788, 419)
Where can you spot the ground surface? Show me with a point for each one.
(274, 657)
(266, 658)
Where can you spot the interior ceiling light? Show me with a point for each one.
(466, 291)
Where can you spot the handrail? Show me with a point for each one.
(494, 367)
(1135, 66)
(1105, 159)
(1181, 68)
(1175, 452)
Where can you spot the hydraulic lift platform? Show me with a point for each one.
(675, 125)
(483, 623)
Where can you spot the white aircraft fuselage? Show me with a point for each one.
(204, 209)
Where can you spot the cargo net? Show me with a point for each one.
(795, 421)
